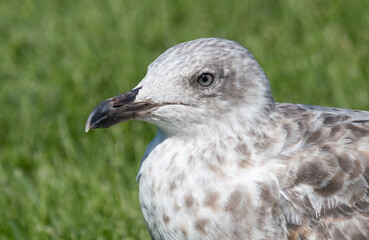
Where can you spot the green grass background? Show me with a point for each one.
(58, 59)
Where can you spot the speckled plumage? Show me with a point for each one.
(230, 163)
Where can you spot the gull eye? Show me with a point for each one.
(205, 79)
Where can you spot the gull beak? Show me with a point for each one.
(119, 109)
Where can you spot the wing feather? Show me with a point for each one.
(325, 188)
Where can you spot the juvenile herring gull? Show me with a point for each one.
(230, 163)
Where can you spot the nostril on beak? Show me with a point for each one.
(117, 106)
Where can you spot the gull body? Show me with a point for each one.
(228, 162)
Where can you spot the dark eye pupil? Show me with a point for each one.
(205, 78)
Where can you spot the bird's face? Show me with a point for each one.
(187, 86)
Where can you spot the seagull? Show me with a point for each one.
(228, 162)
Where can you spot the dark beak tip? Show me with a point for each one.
(97, 115)
(112, 111)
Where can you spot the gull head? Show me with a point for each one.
(201, 87)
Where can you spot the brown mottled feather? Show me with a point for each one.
(325, 194)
